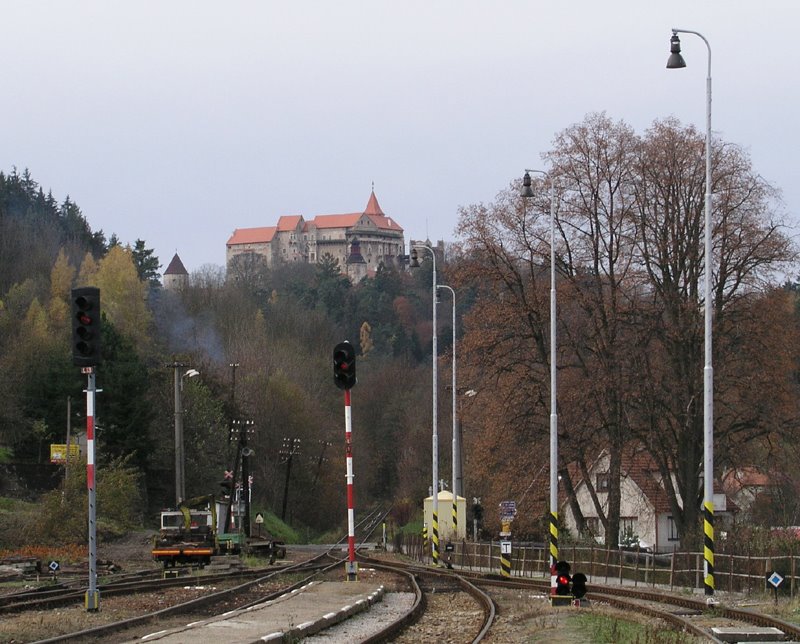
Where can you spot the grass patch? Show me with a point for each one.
(603, 629)
(273, 526)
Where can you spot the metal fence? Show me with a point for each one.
(677, 570)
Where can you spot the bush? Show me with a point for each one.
(64, 513)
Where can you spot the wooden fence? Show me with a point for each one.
(733, 573)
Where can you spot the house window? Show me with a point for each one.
(628, 530)
(601, 482)
(672, 530)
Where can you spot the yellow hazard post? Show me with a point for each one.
(505, 550)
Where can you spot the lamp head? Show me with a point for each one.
(192, 373)
(526, 191)
(414, 259)
(675, 60)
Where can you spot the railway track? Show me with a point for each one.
(243, 588)
(680, 613)
(464, 598)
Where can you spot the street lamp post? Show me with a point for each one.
(528, 192)
(180, 479)
(676, 61)
(435, 473)
(455, 417)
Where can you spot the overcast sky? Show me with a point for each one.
(176, 122)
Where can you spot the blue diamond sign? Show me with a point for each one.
(775, 579)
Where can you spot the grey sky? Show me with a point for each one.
(177, 122)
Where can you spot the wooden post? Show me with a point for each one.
(672, 570)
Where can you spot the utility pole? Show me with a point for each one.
(320, 461)
(291, 446)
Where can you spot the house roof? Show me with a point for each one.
(642, 469)
(176, 267)
(261, 235)
(745, 477)
(289, 222)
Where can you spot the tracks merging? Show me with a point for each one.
(684, 614)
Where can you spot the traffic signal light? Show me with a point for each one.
(562, 578)
(344, 365)
(579, 585)
(86, 326)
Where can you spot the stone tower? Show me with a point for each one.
(176, 277)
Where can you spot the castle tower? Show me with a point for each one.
(176, 277)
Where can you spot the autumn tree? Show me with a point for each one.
(123, 295)
(629, 263)
(749, 248)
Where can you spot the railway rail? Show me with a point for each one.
(247, 588)
(681, 613)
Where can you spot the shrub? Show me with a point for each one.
(63, 514)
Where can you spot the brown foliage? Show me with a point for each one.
(629, 262)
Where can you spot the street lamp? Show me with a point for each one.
(180, 479)
(527, 191)
(676, 61)
(435, 477)
(455, 417)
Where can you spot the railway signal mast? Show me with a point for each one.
(344, 375)
(85, 304)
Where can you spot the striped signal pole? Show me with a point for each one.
(92, 598)
(352, 566)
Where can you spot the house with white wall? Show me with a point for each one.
(644, 505)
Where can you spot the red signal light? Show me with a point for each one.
(86, 326)
(344, 365)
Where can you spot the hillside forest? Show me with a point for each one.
(629, 258)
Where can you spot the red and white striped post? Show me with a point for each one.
(92, 599)
(352, 566)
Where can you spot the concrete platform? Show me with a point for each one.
(748, 634)
(288, 618)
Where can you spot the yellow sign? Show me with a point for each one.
(58, 453)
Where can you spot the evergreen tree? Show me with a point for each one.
(147, 264)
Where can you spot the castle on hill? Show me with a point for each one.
(359, 241)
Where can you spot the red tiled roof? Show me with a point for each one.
(737, 479)
(289, 222)
(385, 223)
(336, 221)
(373, 208)
(252, 235)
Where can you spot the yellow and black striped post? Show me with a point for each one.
(455, 517)
(435, 539)
(553, 551)
(505, 548)
(553, 537)
(424, 531)
(708, 546)
(505, 560)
